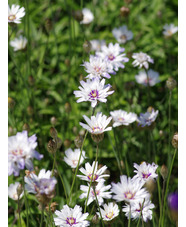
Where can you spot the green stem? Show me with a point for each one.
(19, 211)
(54, 162)
(26, 204)
(170, 95)
(91, 179)
(42, 214)
(167, 186)
(148, 88)
(129, 217)
(159, 198)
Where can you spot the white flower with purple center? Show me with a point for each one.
(97, 44)
(112, 53)
(88, 171)
(93, 91)
(152, 79)
(12, 191)
(109, 212)
(44, 183)
(122, 34)
(169, 30)
(145, 171)
(147, 118)
(21, 151)
(139, 207)
(19, 43)
(121, 117)
(100, 190)
(97, 124)
(72, 157)
(72, 217)
(129, 190)
(142, 60)
(98, 67)
(15, 13)
(88, 16)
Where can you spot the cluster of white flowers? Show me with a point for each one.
(147, 118)
(152, 78)
(122, 34)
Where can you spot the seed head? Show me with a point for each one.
(124, 11)
(87, 46)
(52, 146)
(97, 137)
(164, 171)
(53, 120)
(175, 140)
(78, 15)
(67, 143)
(78, 141)
(53, 132)
(171, 83)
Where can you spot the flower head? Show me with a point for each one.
(101, 192)
(147, 118)
(93, 91)
(98, 67)
(139, 207)
(122, 34)
(88, 16)
(152, 79)
(88, 171)
(19, 43)
(112, 53)
(169, 30)
(129, 190)
(121, 117)
(12, 191)
(142, 60)
(15, 13)
(145, 171)
(97, 124)
(72, 157)
(109, 212)
(21, 151)
(71, 217)
(97, 44)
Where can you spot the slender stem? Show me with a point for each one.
(91, 179)
(98, 205)
(159, 198)
(42, 214)
(26, 204)
(148, 88)
(19, 211)
(167, 186)
(54, 162)
(129, 217)
(170, 95)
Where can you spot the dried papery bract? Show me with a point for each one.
(26, 127)
(53, 120)
(97, 137)
(78, 15)
(164, 171)
(68, 107)
(53, 132)
(87, 46)
(175, 140)
(52, 146)
(124, 11)
(11, 103)
(171, 83)
(52, 207)
(78, 141)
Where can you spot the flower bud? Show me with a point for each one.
(59, 142)
(53, 120)
(68, 107)
(164, 172)
(53, 132)
(51, 146)
(127, 1)
(11, 131)
(48, 25)
(150, 185)
(95, 219)
(78, 141)
(87, 46)
(175, 140)
(78, 15)
(150, 109)
(67, 143)
(19, 190)
(52, 207)
(30, 110)
(26, 127)
(97, 137)
(161, 133)
(124, 11)
(31, 80)
(171, 83)
(75, 130)
(67, 62)
(11, 103)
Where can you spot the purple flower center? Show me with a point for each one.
(95, 177)
(111, 57)
(71, 221)
(123, 37)
(17, 152)
(97, 192)
(11, 17)
(146, 175)
(109, 215)
(93, 94)
(97, 69)
(96, 129)
(129, 195)
(121, 119)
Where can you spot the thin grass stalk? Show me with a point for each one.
(159, 198)
(42, 214)
(26, 204)
(91, 179)
(167, 186)
(54, 164)
(141, 214)
(170, 96)
(98, 206)
(19, 211)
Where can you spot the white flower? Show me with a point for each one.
(129, 190)
(97, 67)
(122, 34)
(72, 157)
(97, 124)
(145, 171)
(169, 30)
(12, 191)
(112, 54)
(93, 91)
(97, 44)
(88, 171)
(42, 184)
(147, 118)
(101, 192)
(110, 211)
(88, 16)
(71, 217)
(19, 43)
(136, 210)
(121, 117)
(152, 79)
(142, 59)
(15, 13)
(21, 151)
